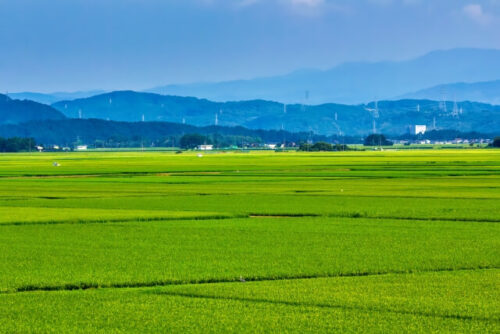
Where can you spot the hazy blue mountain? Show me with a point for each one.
(487, 91)
(353, 83)
(53, 97)
(395, 117)
(17, 111)
(255, 114)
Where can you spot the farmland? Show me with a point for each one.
(394, 241)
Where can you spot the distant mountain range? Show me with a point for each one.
(16, 111)
(350, 83)
(487, 92)
(53, 97)
(390, 117)
(262, 120)
(354, 83)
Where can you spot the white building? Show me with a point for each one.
(420, 129)
(81, 147)
(205, 147)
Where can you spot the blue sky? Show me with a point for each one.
(67, 45)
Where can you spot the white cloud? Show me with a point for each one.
(381, 2)
(313, 7)
(303, 7)
(245, 3)
(297, 3)
(412, 2)
(308, 3)
(476, 13)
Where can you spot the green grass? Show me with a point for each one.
(393, 241)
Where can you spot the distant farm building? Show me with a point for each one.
(81, 147)
(205, 147)
(419, 129)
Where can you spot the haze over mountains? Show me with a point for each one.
(487, 91)
(456, 74)
(49, 98)
(409, 92)
(357, 82)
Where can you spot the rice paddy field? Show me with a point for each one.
(146, 242)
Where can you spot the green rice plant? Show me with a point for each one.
(393, 241)
(37, 257)
(458, 302)
(41, 215)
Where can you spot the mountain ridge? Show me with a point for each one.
(394, 117)
(18, 111)
(50, 98)
(484, 91)
(354, 82)
(347, 83)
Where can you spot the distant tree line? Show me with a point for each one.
(376, 140)
(496, 142)
(322, 146)
(111, 134)
(16, 144)
(191, 141)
